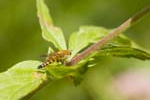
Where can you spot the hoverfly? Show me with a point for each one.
(59, 56)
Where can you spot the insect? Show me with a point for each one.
(59, 56)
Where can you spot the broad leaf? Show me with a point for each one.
(49, 31)
(91, 34)
(21, 80)
(124, 51)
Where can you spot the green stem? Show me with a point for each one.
(124, 26)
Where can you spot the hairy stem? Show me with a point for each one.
(124, 26)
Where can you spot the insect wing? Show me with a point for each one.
(45, 55)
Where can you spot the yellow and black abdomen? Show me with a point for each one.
(59, 56)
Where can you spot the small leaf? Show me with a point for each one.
(21, 80)
(76, 73)
(49, 32)
(91, 34)
(58, 72)
(124, 51)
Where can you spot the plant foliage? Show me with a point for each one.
(23, 79)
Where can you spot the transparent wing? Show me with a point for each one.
(45, 55)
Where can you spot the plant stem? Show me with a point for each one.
(124, 26)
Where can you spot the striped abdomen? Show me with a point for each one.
(59, 56)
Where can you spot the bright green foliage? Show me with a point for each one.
(119, 47)
(86, 35)
(23, 79)
(20, 80)
(91, 34)
(75, 73)
(57, 72)
(49, 32)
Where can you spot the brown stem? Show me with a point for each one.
(124, 26)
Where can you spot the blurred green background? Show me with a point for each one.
(20, 39)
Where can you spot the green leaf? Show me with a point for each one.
(81, 69)
(21, 80)
(50, 32)
(57, 72)
(124, 51)
(91, 34)
(76, 73)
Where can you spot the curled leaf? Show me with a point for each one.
(50, 32)
(124, 51)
